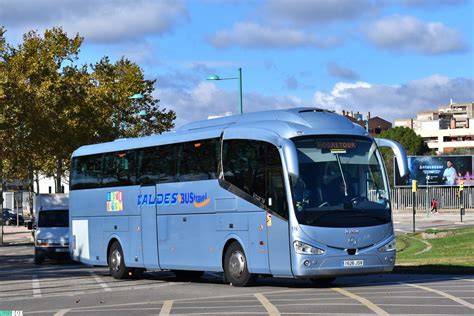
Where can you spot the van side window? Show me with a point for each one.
(86, 172)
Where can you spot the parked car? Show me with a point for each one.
(9, 217)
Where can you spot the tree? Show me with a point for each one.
(413, 144)
(52, 106)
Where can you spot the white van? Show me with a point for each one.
(51, 227)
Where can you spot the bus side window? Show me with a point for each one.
(255, 168)
(243, 167)
(86, 172)
(198, 160)
(158, 164)
(119, 169)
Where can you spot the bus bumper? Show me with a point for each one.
(311, 266)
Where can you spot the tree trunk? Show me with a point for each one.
(59, 176)
(30, 189)
(37, 182)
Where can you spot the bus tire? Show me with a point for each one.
(116, 261)
(236, 266)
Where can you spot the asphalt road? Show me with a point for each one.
(72, 289)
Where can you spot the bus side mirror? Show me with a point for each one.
(291, 158)
(399, 152)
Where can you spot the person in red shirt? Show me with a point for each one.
(434, 206)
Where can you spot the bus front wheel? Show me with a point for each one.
(117, 267)
(236, 267)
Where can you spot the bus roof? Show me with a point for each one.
(285, 123)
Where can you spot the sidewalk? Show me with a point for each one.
(16, 235)
(403, 221)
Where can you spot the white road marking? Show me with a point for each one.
(377, 310)
(62, 312)
(444, 294)
(36, 286)
(166, 308)
(271, 309)
(100, 281)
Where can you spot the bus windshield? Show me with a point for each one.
(341, 183)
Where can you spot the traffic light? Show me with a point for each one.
(461, 185)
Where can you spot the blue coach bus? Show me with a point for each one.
(297, 193)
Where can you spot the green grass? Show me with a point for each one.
(455, 250)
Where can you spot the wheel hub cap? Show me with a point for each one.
(237, 264)
(116, 260)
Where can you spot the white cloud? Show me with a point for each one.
(252, 35)
(204, 99)
(319, 11)
(407, 33)
(97, 20)
(396, 101)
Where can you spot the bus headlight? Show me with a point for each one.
(305, 249)
(390, 246)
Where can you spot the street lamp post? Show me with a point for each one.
(239, 78)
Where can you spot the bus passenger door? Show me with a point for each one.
(149, 228)
(277, 224)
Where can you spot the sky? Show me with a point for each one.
(390, 57)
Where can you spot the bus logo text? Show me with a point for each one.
(198, 200)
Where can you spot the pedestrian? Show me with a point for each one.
(434, 206)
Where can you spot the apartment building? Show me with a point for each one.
(446, 129)
(376, 124)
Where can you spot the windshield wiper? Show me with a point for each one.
(342, 174)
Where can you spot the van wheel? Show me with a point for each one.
(236, 267)
(117, 267)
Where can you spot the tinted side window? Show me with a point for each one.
(119, 169)
(158, 164)
(274, 185)
(86, 172)
(244, 166)
(255, 168)
(198, 160)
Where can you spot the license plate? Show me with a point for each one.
(61, 250)
(353, 263)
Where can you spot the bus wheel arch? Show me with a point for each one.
(116, 260)
(235, 265)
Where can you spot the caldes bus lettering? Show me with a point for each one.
(198, 200)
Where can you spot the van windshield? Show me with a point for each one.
(56, 218)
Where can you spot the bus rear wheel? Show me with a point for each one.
(236, 267)
(117, 267)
